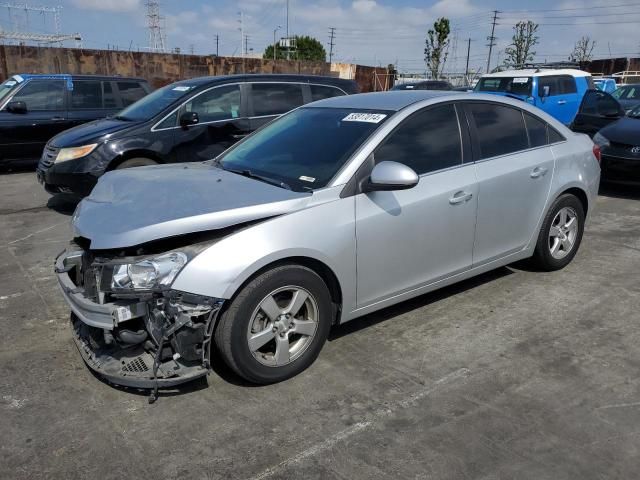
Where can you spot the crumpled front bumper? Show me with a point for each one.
(126, 365)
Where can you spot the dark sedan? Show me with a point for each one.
(620, 146)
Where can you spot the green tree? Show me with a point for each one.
(523, 40)
(306, 48)
(436, 47)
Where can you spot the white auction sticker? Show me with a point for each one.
(304, 178)
(520, 80)
(181, 89)
(364, 117)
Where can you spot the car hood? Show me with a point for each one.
(134, 206)
(91, 132)
(626, 131)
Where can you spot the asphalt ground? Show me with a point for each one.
(513, 374)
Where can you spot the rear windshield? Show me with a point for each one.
(154, 103)
(512, 85)
(6, 87)
(304, 149)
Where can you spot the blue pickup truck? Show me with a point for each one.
(557, 92)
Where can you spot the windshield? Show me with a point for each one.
(7, 87)
(151, 105)
(511, 85)
(627, 93)
(304, 149)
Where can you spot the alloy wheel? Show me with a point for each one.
(563, 233)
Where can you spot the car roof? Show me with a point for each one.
(534, 72)
(28, 76)
(392, 100)
(271, 77)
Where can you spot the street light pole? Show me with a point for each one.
(274, 41)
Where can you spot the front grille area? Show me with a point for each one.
(48, 157)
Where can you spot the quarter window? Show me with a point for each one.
(86, 94)
(537, 130)
(275, 98)
(558, 85)
(320, 92)
(130, 92)
(222, 103)
(427, 141)
(42, 95)
(500, 129)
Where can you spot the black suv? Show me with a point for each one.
(190, 120)
(34, 108)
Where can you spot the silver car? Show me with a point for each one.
(335, 210)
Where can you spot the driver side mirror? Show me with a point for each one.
(189, 118)
(17, 107)
(387, 176)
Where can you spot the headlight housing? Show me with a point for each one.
(74, 152)
(149, 273)
(601, 140)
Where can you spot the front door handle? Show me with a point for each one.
(538, 172)
(57, 119)
(460, 197)
(238, 136)
(561, 102)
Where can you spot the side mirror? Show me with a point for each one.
(545, 91)
(17, 107)
(391, 176)
(189, 118)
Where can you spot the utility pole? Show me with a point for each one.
(241, 34)
(466, 70)
(246, 44)
(217, 43)
(332, 33)
(492, 38)
(275, 45)
(288, 39)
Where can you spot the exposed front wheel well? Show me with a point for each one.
(325, 272)
(133, 154)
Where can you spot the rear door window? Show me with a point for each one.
(320, 92)
(537, 130)
(500, 129)
(130, 92)
(427, 141)
(86, 94)
(41, 95)
(275, 98)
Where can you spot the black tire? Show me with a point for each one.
(136, 162)
(231, 332)
(542, 257)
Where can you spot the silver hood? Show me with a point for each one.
(134, 206)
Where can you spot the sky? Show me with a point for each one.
(370, 32)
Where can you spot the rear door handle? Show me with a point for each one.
(460, 197)
(561, 102)
(538, 172)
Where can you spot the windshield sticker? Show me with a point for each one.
(307, 179)
(18, 78)
(409, 87)
(364, 117)
(10, 83)
(181, 89)
(520, 80)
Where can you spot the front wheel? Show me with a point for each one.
(276, 326)
(561, 234)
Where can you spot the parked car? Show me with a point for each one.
(628, 96)
(597, 110)
(557, 92)
(620, 145)
(190, 120)
(335, 210)
(425, 85)
(607, 85)
(34, 108)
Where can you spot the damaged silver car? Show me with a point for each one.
(335, 210)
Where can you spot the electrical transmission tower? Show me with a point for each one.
(492, 39)
(157, 35)
(332, 33)
(23, 35)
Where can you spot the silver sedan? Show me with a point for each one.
(335, 210)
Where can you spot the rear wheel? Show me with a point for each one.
(561, 234)
(276, 326)
(136, 162)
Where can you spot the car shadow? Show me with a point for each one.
(401, 308)
(626, 192)
(64, 203)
